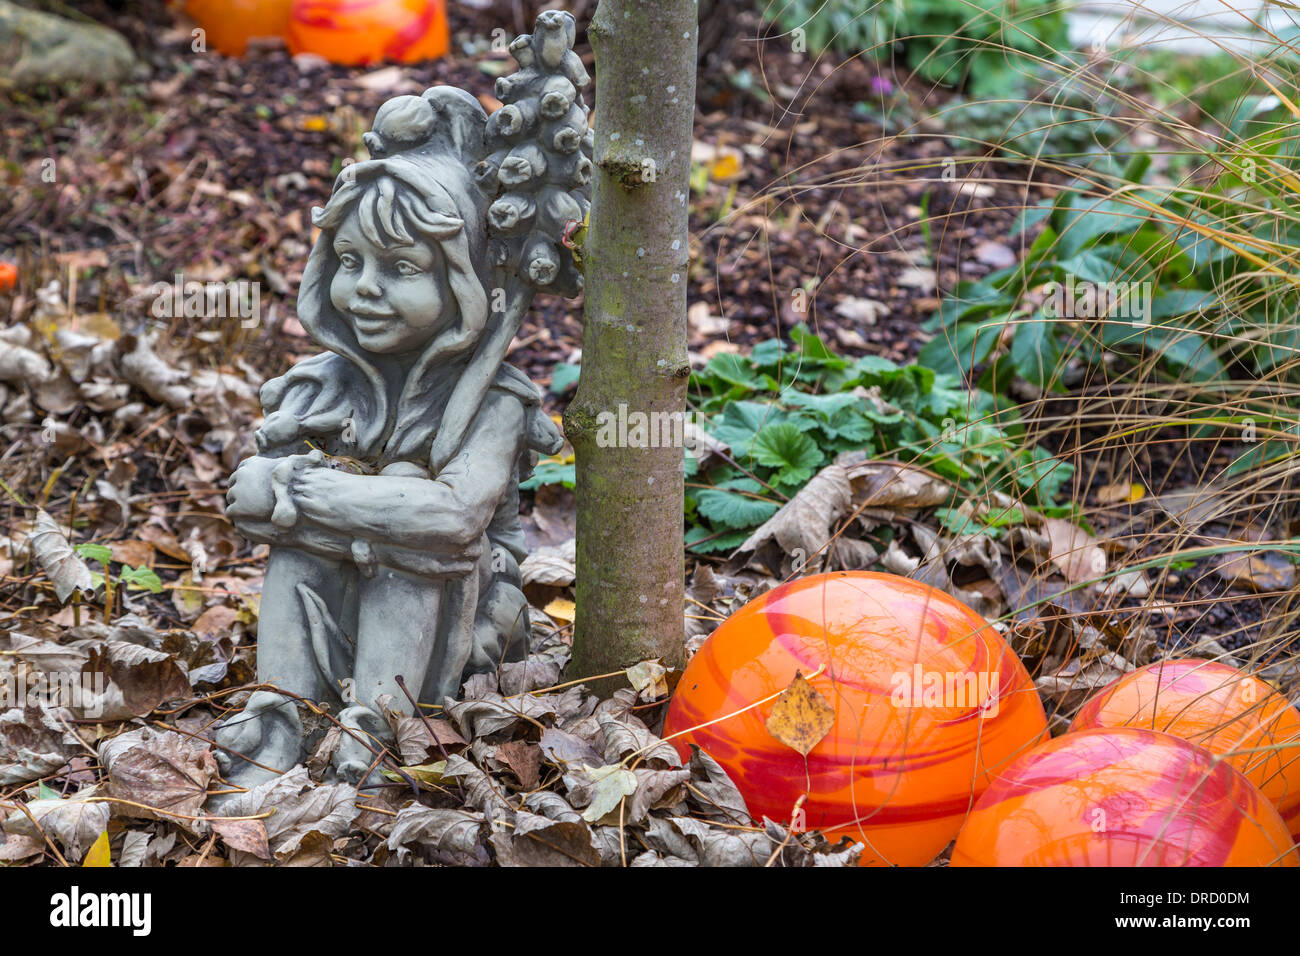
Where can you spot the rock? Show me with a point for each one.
(42, 48)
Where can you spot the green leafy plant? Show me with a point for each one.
(983, 45)
(786, 410)
(1134, 269)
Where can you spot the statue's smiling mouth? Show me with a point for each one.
(370, 323)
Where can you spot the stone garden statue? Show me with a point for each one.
(387, 476)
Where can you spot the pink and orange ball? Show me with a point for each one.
(1122, 797)
(1228, 711)
(898, 771)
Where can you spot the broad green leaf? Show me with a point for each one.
(703, 541)
(95, 552)
(962, 348)
(1036, 354)
(141, 579)
(563, 377)
(729, 510)
(550, 471)
(770, 354)
(741, 421)
(811, 346)
(789, 450)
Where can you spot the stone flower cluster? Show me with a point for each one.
(538, 165)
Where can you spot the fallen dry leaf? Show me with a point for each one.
(135, 680)
(609, 786)
(247, 836)
(712, 792)
(523, 758)
(889, 486)
(801, 716)
(1260, 571)
(300, 807)
(802, 526)
(1077, 553)
(33, 744)
(650, 678)
(552, 565)
(453, 836)
(864, 311)
(75, 822)
(159, 769)
(540, 841)
(62, 565)
(1121, 491)
(562, 609)
(415, 741)
(100, 852)
(15, 848)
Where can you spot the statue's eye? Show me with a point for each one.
(348, 261)
(407, 268)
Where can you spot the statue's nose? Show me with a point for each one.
(369, 285)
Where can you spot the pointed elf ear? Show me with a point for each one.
(460, 121)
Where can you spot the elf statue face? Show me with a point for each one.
(394, 296)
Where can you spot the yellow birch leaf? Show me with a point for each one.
(801, 717)
(562, 609)
(99, 853)
(725, 167)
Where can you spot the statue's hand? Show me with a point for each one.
(250, 495)
(338, 500)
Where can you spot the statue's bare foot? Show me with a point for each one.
(268, 733)
(365, 734)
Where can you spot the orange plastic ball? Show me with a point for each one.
(1122, 797)
(929, 703)
(1218, 707)
(364, 31)
(8, 276)
(230, 24)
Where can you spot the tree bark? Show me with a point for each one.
(630, 553)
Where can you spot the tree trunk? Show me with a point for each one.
(630, 552)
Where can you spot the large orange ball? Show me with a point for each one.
(900, 768)
(1218, 707)
(230, 24)
(1122, 797)
(363, 31)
